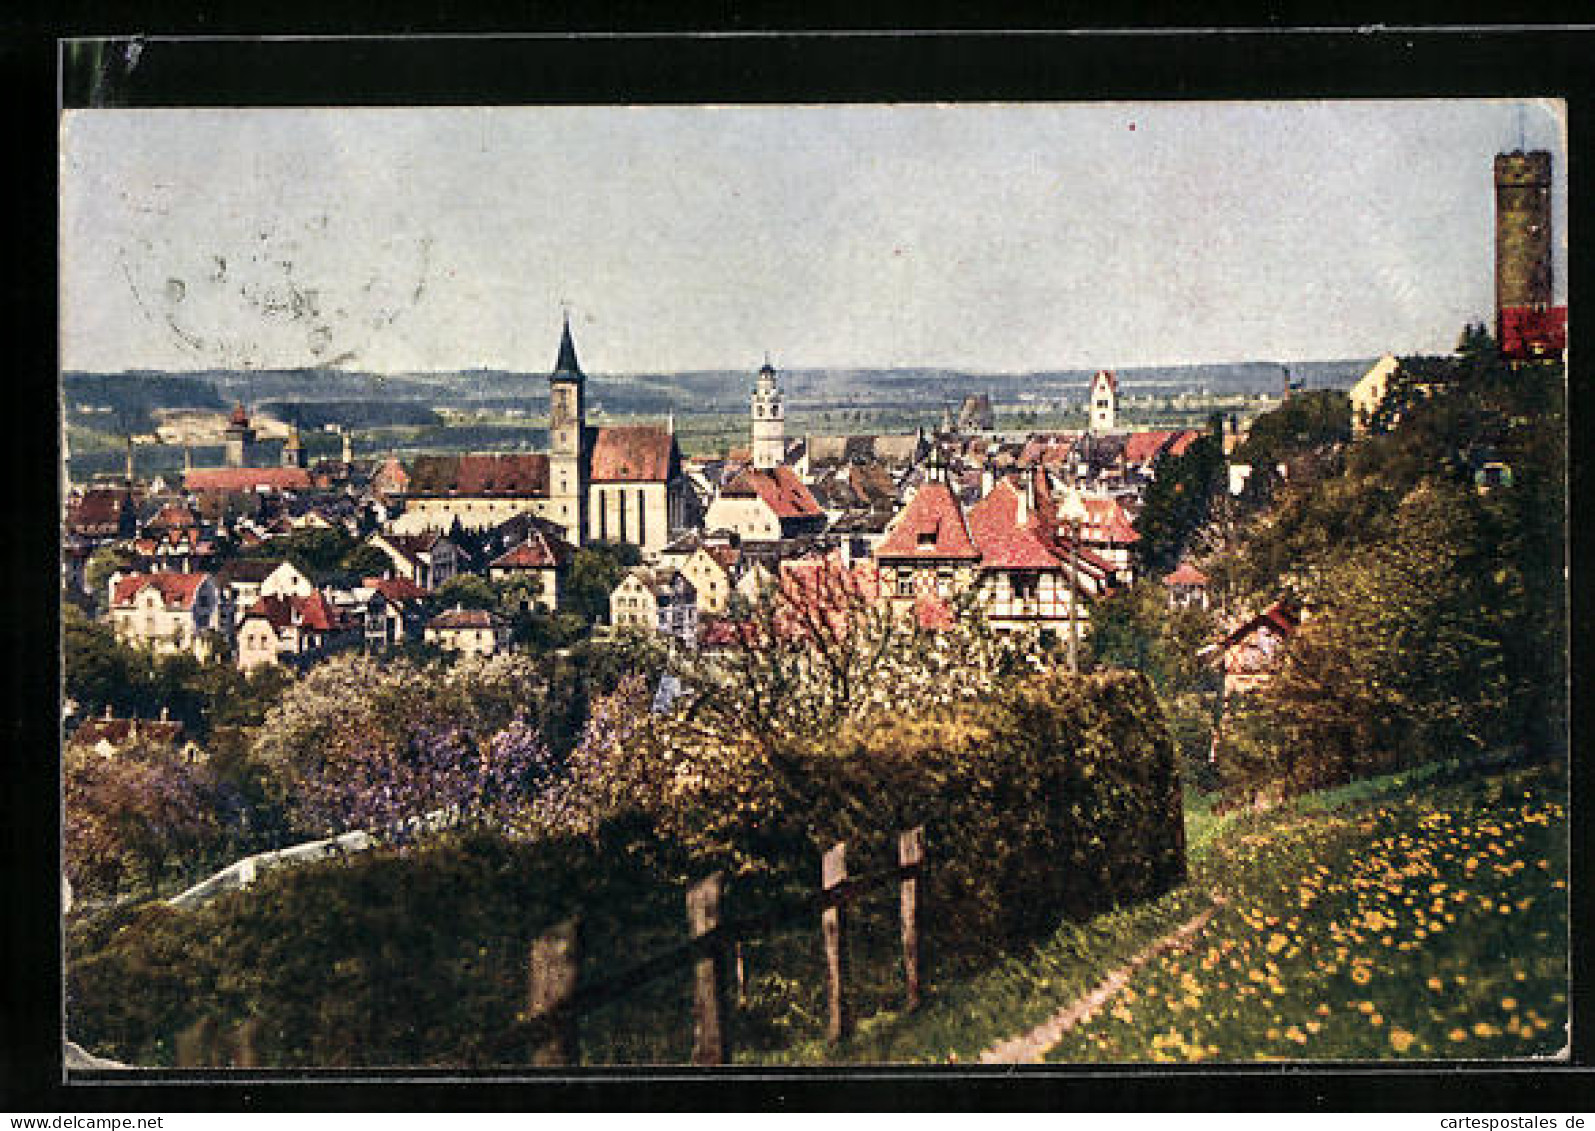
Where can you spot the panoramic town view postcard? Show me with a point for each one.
(814, 585)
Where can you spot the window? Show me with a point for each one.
(1025, 586)
(926, 538)
(905, 583)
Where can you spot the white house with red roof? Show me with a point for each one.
(169, 612)
(541, 561)
(766, 505)
(928, 549)
(1187, 585)
(292, 629)
(470, 632)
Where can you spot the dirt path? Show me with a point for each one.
(1030, 1047)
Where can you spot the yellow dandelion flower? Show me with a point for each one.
(1458, 1035)
(1376, 1019)
(1509, 1004)
(1400, 1039)
(1276, 943)
(1295, 1034)
(1484, 1029)
(1361, 975)
(1435, 984)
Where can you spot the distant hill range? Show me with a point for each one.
(368, 399)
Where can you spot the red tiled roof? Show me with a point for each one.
(397, 588)
(173, 515)
(539, 551)
(1143, 447)
(316, 615)
(462, 618)
(1113, 379)
(512, 475)
(1107, 522)
(99, 508)
(311, 613)
(1182, 441)
(275, 611)
(780, 488)
(1279, 618)
(246, 478)
(1004, 543)
(1186, 574)
(177, 590)
(119, 731)
(931, 526)
(632, 453)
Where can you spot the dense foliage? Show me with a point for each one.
(1178, 501)
(1437, 601)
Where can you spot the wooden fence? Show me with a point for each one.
(557, 995)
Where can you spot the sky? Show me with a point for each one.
(985, 237)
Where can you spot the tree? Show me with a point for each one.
(128, 818)
(97, 573)
(1177, 502)
(365, 561)
(468, 591)
(357, 743)
(595, 570)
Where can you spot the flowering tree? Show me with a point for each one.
(358, 744)
(128, 818)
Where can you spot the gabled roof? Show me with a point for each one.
(514, 476)
(633, 453)
(172, 516)
(177, 590)
(780, 488)
(100, 509)
(463, 618)
(311, 613)
(1280, 618)
(1004, 542)
(539, 551)
(931, 526)
(1112, 379)
(1107, 522)
(1183, 440)
(1186, 574)
(396, 588)
(1144, 447)
(246, 478)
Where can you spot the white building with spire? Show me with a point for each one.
(769, 420)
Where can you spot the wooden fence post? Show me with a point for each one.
(196, 1045)
(555, 968)
(833, 875)
(709, 1010)
(910, 857)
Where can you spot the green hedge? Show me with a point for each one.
(1057, 798)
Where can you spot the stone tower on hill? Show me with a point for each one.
(1522, 229)
(567, 427)
(769, 420)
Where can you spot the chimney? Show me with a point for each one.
(987, 480)
(348, 447)
(165, 714)
(1026, 502)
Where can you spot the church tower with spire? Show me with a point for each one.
(567, 424)
(769, 421)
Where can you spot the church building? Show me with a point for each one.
(598, 484)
